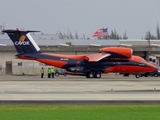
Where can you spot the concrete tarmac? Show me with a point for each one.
(78, 88)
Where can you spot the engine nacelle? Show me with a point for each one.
(117, 52)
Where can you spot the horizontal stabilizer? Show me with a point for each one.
(14, 31)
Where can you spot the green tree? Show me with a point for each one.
(114, 35)
(149, 36)
(60, 35)
(125, 35)
(71, 36)
(76, 35)
(158, 32)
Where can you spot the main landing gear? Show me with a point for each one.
(93, 74)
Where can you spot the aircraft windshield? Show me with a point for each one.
(142, 61)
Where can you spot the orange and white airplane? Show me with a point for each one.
(109, 59)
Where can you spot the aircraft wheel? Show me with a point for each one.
(97, 75)
(155, 75)
(56, 74)
(146, 75)
(137, 75)
(89, 75)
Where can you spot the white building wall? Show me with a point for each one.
(4, 57)
(27, 67)
(31, 67)
(19, 66)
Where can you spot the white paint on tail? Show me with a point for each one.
(32, 41)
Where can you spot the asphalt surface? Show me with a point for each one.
(78, 89)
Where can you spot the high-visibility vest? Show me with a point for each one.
(52, 70)
(49, 71)
(42, 70)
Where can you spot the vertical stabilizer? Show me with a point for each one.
(23, 41)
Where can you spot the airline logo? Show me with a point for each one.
(22, 38)
(22, 41)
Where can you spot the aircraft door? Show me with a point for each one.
(8, 67)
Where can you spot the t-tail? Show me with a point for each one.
(23, 41)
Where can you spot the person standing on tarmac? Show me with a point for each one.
(42, 72)
(49, 73)
(52, 72)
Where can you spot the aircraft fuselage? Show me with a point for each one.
(78, 64)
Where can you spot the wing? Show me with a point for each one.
(96, 57)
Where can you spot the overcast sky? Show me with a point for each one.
(136, 17)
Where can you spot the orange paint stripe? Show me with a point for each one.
(129, 69)
(26, 58)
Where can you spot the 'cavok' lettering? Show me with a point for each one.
(22, 43)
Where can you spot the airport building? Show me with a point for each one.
(50, 43)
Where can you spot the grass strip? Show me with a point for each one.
(80, 112)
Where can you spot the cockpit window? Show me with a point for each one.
(142, 61)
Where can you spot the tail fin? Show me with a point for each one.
(23, 41)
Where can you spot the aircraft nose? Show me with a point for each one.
(152, 67)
